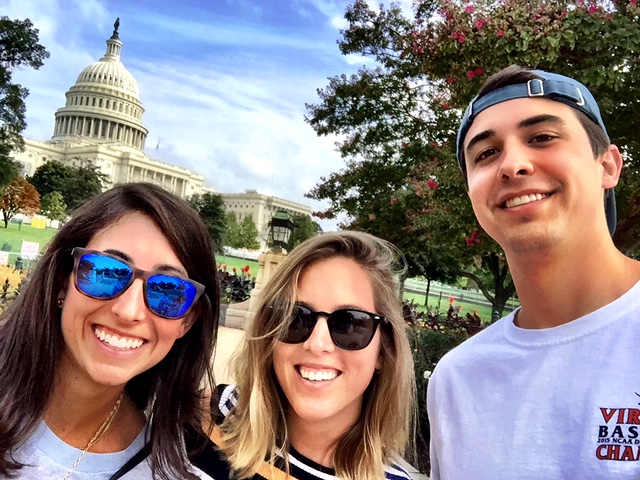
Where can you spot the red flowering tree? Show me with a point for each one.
(19, 197)
(397, 120)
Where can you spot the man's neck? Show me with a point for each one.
(560, 285)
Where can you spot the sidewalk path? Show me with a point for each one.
(228, 340)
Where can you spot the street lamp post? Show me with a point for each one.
(281, 229)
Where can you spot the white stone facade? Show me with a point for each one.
(261, 208)
(101, 123)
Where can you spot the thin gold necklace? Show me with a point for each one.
(102, 429)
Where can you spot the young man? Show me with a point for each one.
(551, 391)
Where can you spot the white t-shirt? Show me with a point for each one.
(49, 458)
(556, 403)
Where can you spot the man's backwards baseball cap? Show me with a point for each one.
(554, 87)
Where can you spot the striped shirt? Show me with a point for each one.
(300, 467)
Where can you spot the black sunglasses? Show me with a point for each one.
(349, 328)
(104, 276)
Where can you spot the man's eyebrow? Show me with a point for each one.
(544, 118)
(479, 137)
(527, 122)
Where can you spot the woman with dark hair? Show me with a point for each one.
(325, 374)
(104, 352)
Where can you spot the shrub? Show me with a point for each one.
(431, 335)
(235, 287)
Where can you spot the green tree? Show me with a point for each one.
(53, 206)
(19, 197)
(248, 234)
(19, 47)
(76, 183)
(397, 120)
(210, 207)
(232, 231)
(303, 227)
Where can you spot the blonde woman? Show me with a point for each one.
(325, 379)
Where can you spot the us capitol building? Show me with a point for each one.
(101, 123)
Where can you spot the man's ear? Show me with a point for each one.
(611, 162)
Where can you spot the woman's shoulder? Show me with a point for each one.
(206, 456)
(223, 399)
(396, 472)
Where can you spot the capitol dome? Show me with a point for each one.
(109, 72)
(104, 104)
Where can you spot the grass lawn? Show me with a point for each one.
(14, 235)
(484, 312)
(238, 263)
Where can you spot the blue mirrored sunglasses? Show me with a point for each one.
(104, 276)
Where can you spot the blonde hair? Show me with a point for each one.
(256, 428)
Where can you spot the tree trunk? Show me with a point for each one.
(426, 296)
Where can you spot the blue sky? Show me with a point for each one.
(223, 82)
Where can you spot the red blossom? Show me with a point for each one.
(451, 300)
(500, 32)
(432, 184)
(394, 200)
(461, 38)
(445, 106)
(470, 75)
(478, 71)
(372, 217)
(633, 2)
(593, 9)
(451, 79)
(473, 239)
(234, 269)
(469, 9)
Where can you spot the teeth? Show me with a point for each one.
(524, 199)
(115, 341)
(318, 375)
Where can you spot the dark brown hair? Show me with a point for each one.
(31, 341)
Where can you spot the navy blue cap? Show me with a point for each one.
(554, 87)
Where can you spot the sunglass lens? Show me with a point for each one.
(169, 296)
(351, 329)
(301, 325)
(99, 276)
